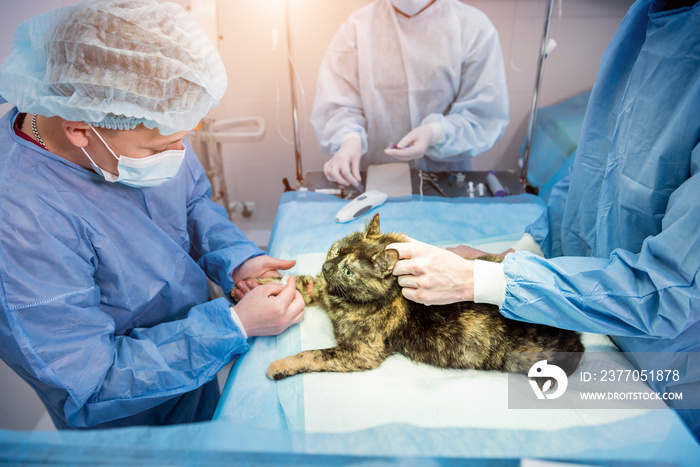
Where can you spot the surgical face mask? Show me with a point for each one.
(144, 172)
(411, 7)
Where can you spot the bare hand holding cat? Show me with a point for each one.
(259, 266)
(269, 309)
(431, 275)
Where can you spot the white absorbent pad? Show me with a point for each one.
(402, 391)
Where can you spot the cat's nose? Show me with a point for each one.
(326, 268)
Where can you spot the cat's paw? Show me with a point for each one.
(236, 294)
(277, 370)
(305, 286)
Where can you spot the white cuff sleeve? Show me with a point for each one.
(438, 132)
(527, 243)
(489, 282)
(237, 320)
(351, 135)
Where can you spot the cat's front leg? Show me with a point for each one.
(302, 285)
(305, 287)
(336, 359)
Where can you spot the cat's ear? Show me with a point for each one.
(373, 228)
(385, 260)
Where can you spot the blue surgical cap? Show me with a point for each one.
(115, 64)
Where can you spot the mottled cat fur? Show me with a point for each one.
(372, 320)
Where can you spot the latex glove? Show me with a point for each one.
(432, 275)
(269, 309)
(344, 166)
(259, 266)
(468, 252)
(413, 145)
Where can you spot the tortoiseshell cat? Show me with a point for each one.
(372, 320)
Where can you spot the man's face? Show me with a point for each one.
(137, 143)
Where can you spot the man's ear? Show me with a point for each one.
(76, 132)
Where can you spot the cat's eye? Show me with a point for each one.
(347, 271)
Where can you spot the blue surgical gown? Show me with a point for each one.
(104, 298)
(622, 232)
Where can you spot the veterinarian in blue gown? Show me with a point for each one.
(107, 230)
(426, 74)
(621, 235)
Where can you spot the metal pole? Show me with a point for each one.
(536, 93)
(295, 118)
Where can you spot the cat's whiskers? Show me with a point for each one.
(339, 291)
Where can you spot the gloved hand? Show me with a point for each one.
(344, 166)
(413, 145)
(431, 275)
(259, 266)
(269, 309)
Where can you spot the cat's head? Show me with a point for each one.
(358, 267)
